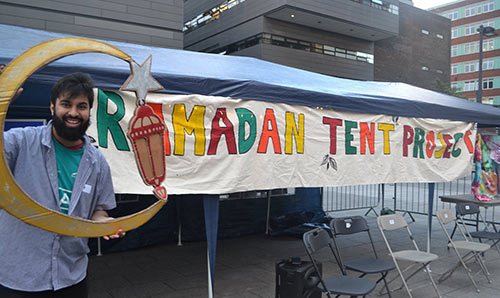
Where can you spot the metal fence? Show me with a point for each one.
(410, 198)
(352, 197)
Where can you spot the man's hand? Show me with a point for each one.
(102, 216)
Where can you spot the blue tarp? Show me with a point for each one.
(185, 72)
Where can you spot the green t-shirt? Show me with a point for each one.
(67, 161)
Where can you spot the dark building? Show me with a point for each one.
(340, 38)
(330, 37)
(420, 54)
(155, 23)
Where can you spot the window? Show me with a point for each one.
(480, 8)
(455, 86)
(488, 6)
(488, 45)
(470, 85)
(329, 50)
(454, 51)
(209, 15)
(288, 42)
(454, 69)
(488, 84)
(488, 100)
(489, 23)
(470, 29)
(452, 15)
(488, 64)
(425, 32)
(454, 33)
(471, 47)
(470, 67)
(351, 55)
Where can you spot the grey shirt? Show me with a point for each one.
(32, 259)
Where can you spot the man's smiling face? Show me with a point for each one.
(70, 117)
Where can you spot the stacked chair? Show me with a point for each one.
(466, 250)
(357, 225)
(417, 258)
(320, 239)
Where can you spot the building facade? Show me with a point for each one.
(153, 23)
(420, 54)
(329, 37)
(466, 17)
(337, 38)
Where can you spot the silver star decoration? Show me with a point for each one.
(140, 80)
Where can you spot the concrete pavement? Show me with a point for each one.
(246, 267)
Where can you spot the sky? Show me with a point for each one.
(424, 4)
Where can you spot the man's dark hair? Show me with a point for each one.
(73, 85)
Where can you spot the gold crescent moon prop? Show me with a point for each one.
(12, 198)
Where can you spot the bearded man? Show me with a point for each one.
(56, 166)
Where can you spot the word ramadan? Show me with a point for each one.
(417, 142)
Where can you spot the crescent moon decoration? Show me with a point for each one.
(12, 198)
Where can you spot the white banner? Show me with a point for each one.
(219, 145)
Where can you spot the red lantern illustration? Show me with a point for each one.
(146, 131)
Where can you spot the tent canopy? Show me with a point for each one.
(185, 72)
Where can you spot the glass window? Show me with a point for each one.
(487, 100)
(488, 64)
(329, 50)
(470, 29)
(488, 83)
(488, 45)
(454, 69)
(454, 51)
(467, 48)
(470, 85)
(471, 47)
(317, 47)
(340, 53)
(454, 33)
(470, 67)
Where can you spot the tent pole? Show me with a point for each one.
(211, 211)
(268, 210)
(178, 211)
(210, 281)
(429, 215)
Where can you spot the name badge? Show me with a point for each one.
(87, 188)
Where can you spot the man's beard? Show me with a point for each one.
(70, 133)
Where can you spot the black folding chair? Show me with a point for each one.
(318, 239)
(354, 225)
(471, 209)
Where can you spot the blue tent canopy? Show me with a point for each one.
(185, 72)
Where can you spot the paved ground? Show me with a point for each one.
(245, 267)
